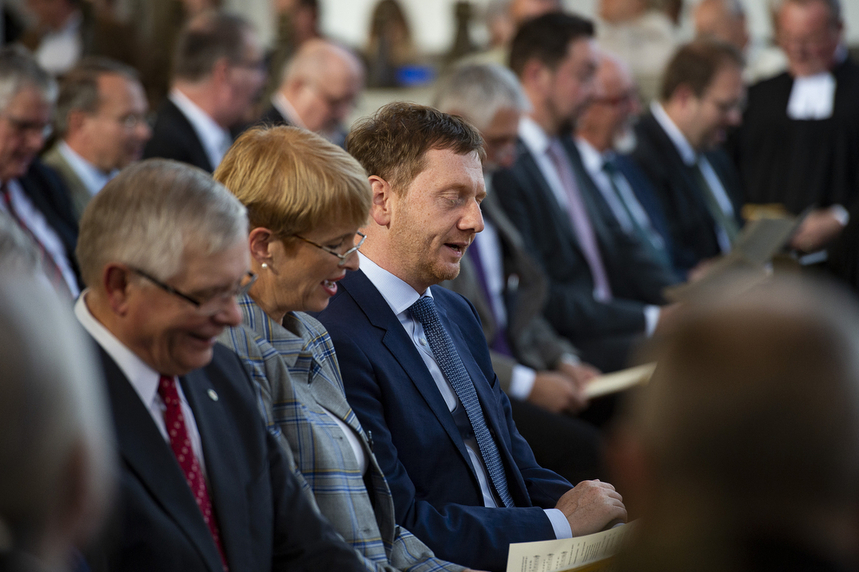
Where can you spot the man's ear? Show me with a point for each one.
(383, 197)
(75, 120)
(536, 75)
(259, 241)
(221, 71)
(115, 281)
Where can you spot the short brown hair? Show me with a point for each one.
(206, 39)
(79, 87)
(393, 143)
(696, 64)
(292, 181)
(547, 38)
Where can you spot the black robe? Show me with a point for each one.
(800, 163)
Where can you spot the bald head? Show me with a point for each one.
(723, 20)
(608, 117)
(521, 10)
(321, 83)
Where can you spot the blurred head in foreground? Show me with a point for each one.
(743, 451)
(55, 460)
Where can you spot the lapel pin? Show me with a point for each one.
(213, 395)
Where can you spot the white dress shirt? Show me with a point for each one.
(59, 50)
(215, 139)
(279, 102)
(537, 142)
(522, 378)
(93, 178)
(143, 378)
(690, 157)
(400, 297)
(38, 226)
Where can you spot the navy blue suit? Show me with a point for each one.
(418, 446)
(266, 521)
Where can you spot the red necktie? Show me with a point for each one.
(181, 445)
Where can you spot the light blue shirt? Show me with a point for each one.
(400, 297)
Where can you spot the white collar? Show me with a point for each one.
(91, 176)
(279, 101)
(687, 153)
(399, 295)
(592, 159)
(142, 377)
(533, 136)
(215, 139)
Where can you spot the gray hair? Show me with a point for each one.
(152, 213)
(79, 88)
(478, 91)
(56, 442)
(19, 70)
(205, 40)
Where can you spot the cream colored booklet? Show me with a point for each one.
(569, 554)
(619, 380)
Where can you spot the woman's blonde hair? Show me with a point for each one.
(292, 181)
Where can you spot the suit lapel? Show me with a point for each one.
(553, 208)
(379, 314)
(149, 458)
(218, 441)
(175, 116)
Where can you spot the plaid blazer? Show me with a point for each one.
(297, 379)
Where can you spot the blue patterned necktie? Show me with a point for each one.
(449, 362)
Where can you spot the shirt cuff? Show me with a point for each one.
(521, 382)
(570, 359)
(840, 214)
(651, 318)
(559, 521)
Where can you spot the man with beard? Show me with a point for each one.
(604, 289)
(416, 367)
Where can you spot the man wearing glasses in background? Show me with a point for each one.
(31, 194)
(203, 486)
(101, 126)
(678, 149)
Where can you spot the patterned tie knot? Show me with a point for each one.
(424, 311)
(167, 390)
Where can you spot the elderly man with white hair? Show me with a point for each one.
(204, 487)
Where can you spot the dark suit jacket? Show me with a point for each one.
(173, 137)
(532, 339)
(602, 330)
(418, 446)
(273, 117)
(50, 196)
(266, 522)
(692, 228)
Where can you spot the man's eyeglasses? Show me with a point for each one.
(207, 304)
(342, 256)
(23, 126)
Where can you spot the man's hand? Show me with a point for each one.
(556, 392)
(580, 373)
(592, 506)
(818, 229)
(666, 316)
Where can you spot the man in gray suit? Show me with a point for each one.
(538, 369)
(101, 127)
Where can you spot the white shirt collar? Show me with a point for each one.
(215, 139)
(687, 153)
(279, 101)
(533, 136)
(399, 295)
(91, 176)
(592, 159)
(143, 378)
